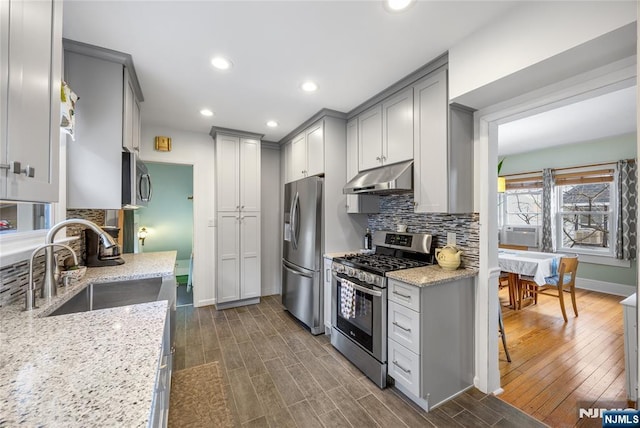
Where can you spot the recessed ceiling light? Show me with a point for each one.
(221, 63)
(206, 112)
(272, 124)
(309, 86)
(397, 5)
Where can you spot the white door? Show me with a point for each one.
(298, 157)
(397, 127)
(127, 113)
(370, 138)
(315, 150)
(228, 175)
(249, 175)
(352, 162)
(228, 249)
(430, 145)
(250, 255)
(136, 126)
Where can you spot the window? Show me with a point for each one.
(23, 217)
(522, 206)
(586, 212)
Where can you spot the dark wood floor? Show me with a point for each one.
(276, 374)
(558, 367)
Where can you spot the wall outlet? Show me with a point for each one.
(451, 238)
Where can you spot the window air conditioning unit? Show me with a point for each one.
(520, 235)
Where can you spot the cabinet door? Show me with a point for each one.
(228, 174)
(249, 255)
(286, 162)
(127, 113)
(431, 163)
(31, 73)
(298, 157)
(228, 250)
(404, 326)
(397, 128)
(327, 293)
(357, 203)
(249, 174)
(136, 126)
(315, 150)
(370, 138)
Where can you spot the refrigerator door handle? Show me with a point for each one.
(295, 208)
(291, 268)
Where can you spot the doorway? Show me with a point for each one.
(488, 123)
(168, 221)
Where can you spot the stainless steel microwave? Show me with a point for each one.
(136, 182)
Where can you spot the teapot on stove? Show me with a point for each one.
(448, 257)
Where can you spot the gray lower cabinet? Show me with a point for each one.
(430, 339)
(160, 407)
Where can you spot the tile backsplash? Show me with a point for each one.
(14, 277)
(398, 209)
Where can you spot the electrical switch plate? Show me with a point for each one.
(451, 238)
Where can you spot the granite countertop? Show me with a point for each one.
(430, 275)
(86, 369)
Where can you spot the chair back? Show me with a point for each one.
(568, 266)
(513, 247)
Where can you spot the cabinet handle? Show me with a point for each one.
(378, 158)
(12, 167)
(242, 207)
(395, 363)
(384, 158)
(400, 327)
(237, 207)
(402, 295)
(29, 171)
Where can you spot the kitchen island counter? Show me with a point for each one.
(430, 275)
(84, 369)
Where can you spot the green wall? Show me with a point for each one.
(613, 149)
(169, 215)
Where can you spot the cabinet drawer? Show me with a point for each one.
(404, 326)
(404, 367)
(404, 294)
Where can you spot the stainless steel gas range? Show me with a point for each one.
(359, 298)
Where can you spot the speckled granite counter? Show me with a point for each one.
(85, 369)
(430, 275)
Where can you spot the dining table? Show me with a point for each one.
(534, 265)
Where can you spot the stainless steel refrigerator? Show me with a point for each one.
(302, 252)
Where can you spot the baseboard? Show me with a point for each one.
(204, 302)
(269, 292)
(605, 287)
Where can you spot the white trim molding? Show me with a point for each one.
(605, 287)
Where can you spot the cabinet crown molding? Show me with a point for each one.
(235, 132)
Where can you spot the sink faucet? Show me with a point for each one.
(30, 295)
(49, 286)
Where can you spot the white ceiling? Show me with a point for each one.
(352, 49)
(596, 118)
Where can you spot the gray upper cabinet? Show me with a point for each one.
(30, 76)
(106, 123)
(443, 147)
(385, 132)
(357, 204)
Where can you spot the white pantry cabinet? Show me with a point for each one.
(238, 217)
(443, 148)
(357, 203)
(307, 152)
(238, 262)
(238, 173)
(30, 78)
(107, 121)
(386, 132)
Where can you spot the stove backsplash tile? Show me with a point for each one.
(398, 209)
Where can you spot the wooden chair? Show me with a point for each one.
(503, 280)
(565, 280)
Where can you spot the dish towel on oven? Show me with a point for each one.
(347, 300)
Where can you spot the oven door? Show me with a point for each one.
(359, 312)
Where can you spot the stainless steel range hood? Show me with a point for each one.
(395, 178)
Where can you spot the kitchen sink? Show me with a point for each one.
(113, 294)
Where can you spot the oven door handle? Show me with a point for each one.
(365, 290)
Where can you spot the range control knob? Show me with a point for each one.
(369, 279)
